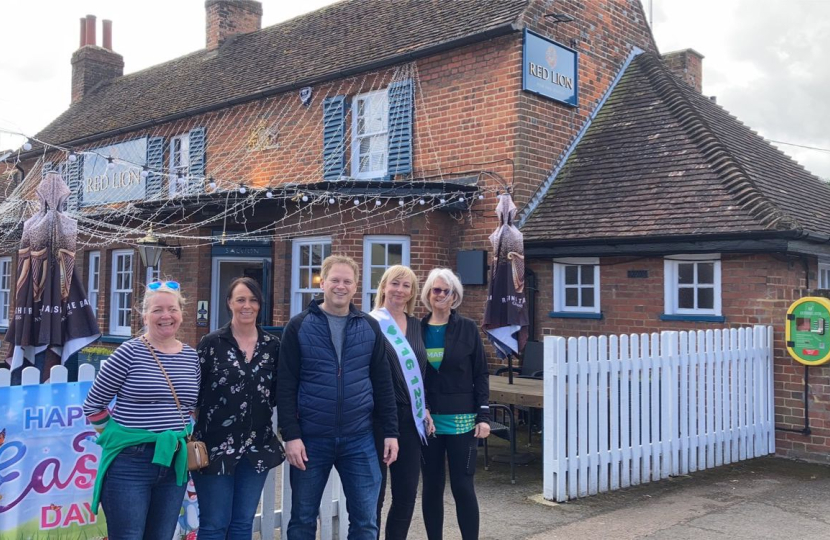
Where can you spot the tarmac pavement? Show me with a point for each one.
(767, 498)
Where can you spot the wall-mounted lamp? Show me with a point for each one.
(150, 248)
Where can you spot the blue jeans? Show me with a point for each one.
(227, 503)
(356, 460)
(141, 501)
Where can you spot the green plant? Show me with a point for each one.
(96, 350)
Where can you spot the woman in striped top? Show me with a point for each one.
(143, 471)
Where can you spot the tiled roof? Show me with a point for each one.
(661, 160)
(323, 44)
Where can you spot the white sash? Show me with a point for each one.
(409, 365)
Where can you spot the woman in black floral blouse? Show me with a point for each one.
(236, 401)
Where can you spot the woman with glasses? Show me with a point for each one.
(457, 388)
(236, 402)
(394, 308)
(142, 474)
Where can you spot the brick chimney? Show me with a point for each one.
(92, 64)
(686, 65)
(227, 18)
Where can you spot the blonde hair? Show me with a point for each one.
(331, 260)
(392, 273)
(149, 294)
(452, 281)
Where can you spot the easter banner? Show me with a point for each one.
(48, 462)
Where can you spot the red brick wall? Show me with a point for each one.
(756, 289)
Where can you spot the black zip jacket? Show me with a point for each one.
(462, 384)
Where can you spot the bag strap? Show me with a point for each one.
(169, 383)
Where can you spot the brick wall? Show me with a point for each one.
(756, 289)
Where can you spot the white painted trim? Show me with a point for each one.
(173, 185)
(824, 275)
(559, 284)
(217, 297)
(114, 328)
(355, 164)
(368, 240)
(296, 290)
(5, 289)
(91, 271)
(670, 285)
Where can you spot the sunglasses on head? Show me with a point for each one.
(156, 285)
(438, 290)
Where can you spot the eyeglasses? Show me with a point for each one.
(437, 291)
(156, 285)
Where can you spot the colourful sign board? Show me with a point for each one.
(549, 69)
(48, 463)
(808, 330)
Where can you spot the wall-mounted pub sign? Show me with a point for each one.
(549, 69)
(122, 182)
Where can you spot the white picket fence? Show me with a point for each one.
(270, 516)
(625, 410)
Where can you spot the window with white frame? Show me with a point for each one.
(824, 275)
(121, 292)
(5, 289)
(93, 279)
(693, 284)
(179, 162)
(153, 273)
(306, 263)
(379, 253)
(370, 134)
(576, 285)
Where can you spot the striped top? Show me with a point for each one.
(143, 397)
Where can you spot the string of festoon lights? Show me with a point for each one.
(253, 166)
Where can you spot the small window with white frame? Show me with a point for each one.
(379, 253)
(576, 285)
(370, 134)
(306, 263)
(693, 284)
(5, 290)
(93, 279)
(153, 273)
(121, 292)
(824, 275)
(179, 162)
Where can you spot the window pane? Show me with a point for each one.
(587, 297)
(305, 278)
(686, 273)
(317, 254)
(571, 275)
(316, 278)
(587, 273)
(379, 254)
(326, 250)
(706, 273)
(706, 298)
(395, 254)
(572, 297)
(686, 298)
(377, 273)
(305, 254)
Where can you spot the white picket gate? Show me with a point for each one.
(629, 409)
(270, 516)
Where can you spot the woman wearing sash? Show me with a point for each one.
(394, 306)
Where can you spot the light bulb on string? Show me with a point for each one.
(442, 200)
(144, 172)
(110, 163)
(269, 194)
(356, 202)
(422, 202)
(481, 196)
(400, 202)
(377, 202)
(304, 198)
(27, 145)
(72, 157)
(242, 189)
(212, 183)
(331, 200)
(461, 199)
(182, 180)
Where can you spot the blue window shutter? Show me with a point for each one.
(334, 137)
(400, 128)
(155, 163)
(197, 158)
(74, 172)
(47, 167)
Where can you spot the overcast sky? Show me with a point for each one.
(765, 60)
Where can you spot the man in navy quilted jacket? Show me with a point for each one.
(333, 382)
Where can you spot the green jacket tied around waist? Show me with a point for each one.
(170, 445)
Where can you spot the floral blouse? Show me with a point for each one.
(236, 402)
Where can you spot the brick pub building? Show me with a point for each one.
(384, 131)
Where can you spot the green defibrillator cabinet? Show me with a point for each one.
(808, 330)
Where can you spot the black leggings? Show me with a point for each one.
(460, 451)
(405, 473)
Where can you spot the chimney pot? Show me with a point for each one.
(90, 30)
(107, 29)
(83, 32)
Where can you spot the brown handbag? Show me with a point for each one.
(197, 455)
